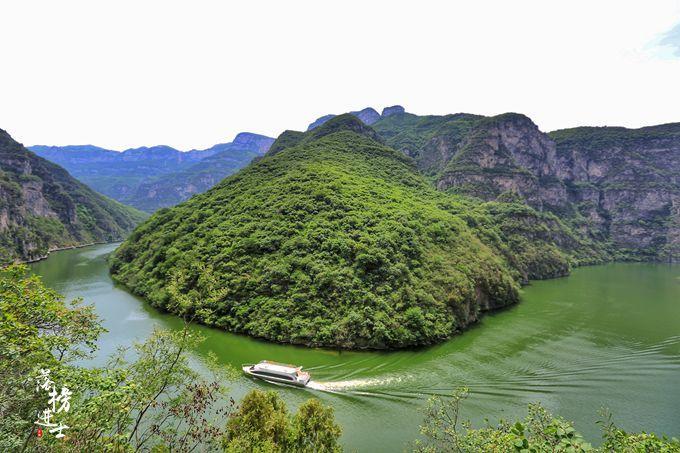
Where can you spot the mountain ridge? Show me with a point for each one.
(128, 176)
(367, 115)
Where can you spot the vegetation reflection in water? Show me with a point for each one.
(605, 336)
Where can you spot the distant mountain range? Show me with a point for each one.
(150, 178)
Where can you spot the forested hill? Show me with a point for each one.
(42, 207)
(335, 239)
(150, 178)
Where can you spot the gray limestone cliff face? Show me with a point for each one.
(628, 182)
(367, 116)
(501, 154)
(616, 185)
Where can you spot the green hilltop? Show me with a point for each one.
(334, 239)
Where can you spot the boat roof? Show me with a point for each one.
(277, 367)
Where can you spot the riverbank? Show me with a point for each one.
(59, 249)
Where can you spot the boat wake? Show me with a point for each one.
(353, 385)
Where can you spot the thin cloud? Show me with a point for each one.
(672, 39)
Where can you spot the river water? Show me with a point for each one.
(606, 336)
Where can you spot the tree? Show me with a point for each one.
(315, 429)
(153, 402)
(262, 424)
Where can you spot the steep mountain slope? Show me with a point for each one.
(42, 207)
(152, 177)
(613, 185)
(335, 239)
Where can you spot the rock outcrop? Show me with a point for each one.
(392, 110)
(626, 184)
(367, 116)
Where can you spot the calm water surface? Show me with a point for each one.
(607, 336)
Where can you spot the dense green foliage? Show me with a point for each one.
(262, 424)
(444, 430)
(287, 139)
(338, 241)
(42, 207)
(155, 400)
(37, 330)
(536, 245)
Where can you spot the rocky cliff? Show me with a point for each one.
(625, 183)
(617, 186)
(43, 208)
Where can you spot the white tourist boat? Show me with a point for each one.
(279, 373)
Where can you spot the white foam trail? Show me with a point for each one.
(353, 384)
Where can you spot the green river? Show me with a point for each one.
(607, 336)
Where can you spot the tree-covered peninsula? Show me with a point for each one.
(334, 239)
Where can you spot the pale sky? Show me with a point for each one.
(194, 73)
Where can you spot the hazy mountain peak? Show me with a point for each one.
(392, 110)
